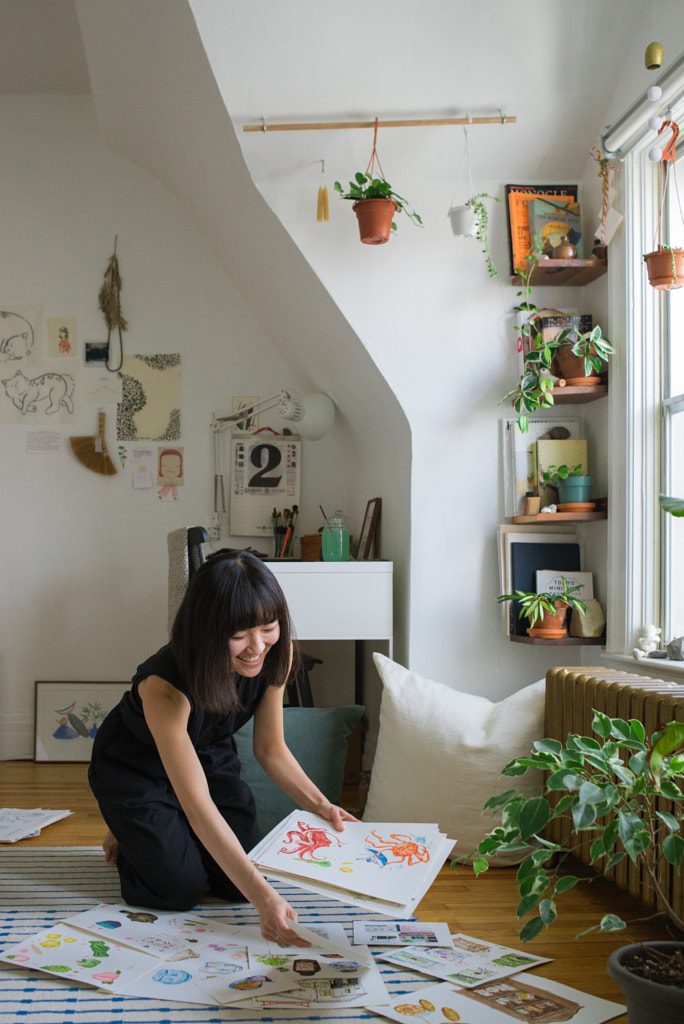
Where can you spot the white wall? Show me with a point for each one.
(83, 557)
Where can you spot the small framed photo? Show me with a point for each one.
(68, 715)
(369, 546)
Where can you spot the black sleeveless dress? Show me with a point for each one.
(161, 862)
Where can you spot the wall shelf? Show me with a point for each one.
(573, 394)
(567, 641)
(573, 273)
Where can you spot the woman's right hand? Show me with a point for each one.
(275, 918)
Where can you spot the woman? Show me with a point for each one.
(164, 767)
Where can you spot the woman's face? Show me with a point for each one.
(248, 649)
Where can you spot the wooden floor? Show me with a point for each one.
(483, 907)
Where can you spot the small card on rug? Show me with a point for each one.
(385, 867)
(468, 961)
(401, 933)
(523, 998)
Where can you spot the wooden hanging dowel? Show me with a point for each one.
(335, 126)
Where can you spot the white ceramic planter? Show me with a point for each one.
(463, 222)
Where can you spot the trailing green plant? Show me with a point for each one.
(555, 473)
(477, 205)
(366, 187)
(591, 346)
(612, 788)
(533, 605)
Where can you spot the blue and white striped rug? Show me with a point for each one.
(42, 885)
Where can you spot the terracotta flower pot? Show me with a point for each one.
(571, 367)
(665, 268)
(375, 219)
(647, 1001)
(551, 627)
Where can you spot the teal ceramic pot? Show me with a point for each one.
(647, 1002)
(574, 489)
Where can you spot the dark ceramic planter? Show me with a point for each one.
(647, 1002)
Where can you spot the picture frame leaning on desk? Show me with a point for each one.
(369, 538)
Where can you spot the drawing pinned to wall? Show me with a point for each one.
(20, 332)
(61, 337)
(102, 388)
(169, 473)
(150, 404)
(142, 460)
(30, 395)
(95, 353)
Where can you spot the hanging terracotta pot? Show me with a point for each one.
(375, 219)
(551, 627)
(665, 268)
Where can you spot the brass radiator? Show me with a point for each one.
(572, 695)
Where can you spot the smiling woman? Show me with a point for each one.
(165, 769)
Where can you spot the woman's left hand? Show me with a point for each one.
(336, 816)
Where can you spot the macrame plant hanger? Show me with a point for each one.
(462, 217)
(110, 305)
(375, 159)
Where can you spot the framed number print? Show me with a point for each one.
(264, 474)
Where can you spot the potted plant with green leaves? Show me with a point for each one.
(472, 221)
(580, 358)
(547, 609)
(573, 486)
(620, 790)
(375, 204)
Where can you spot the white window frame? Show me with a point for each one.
(636, 313)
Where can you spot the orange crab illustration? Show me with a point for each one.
(401, 847)
(308, 840)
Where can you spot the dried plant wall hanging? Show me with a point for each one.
(110, 304)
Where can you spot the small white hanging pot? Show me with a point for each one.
(463, 223)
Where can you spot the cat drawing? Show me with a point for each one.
(16, 336)
(55, 388)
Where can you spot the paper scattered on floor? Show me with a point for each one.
(19, 823)
(401, 933)
(467, 961)
(524, 998)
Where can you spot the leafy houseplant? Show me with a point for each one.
(365, 188)
(613, 788)
(548, 609)
(590, 350)
(555, 473)
(477, 205)
(572, 485)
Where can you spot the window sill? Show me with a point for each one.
(657, 668)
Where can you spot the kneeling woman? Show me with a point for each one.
(164, 767)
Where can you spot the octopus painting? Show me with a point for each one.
(306, 842)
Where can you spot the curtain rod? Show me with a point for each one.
(340, 125)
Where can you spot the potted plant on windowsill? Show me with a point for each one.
(615, 786)
(547, 609)
(375, 204)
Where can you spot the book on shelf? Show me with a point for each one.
(548, 454)
(550, 581)
(518, 198)
(552, 219)
(518, 456)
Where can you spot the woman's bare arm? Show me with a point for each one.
(166, 713)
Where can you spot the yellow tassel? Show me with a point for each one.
(322, 209)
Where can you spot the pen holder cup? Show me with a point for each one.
(311, 547)
(282, 541)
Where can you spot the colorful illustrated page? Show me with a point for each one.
(401, 933)
(523, 998)
(386, 861)
(468, 961)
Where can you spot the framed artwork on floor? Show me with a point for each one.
(369, 546)
(68, 715)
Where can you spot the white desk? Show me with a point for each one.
(338, 600)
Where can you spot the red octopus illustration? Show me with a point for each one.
(308, 840)
(403, 848)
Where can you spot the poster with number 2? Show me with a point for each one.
(264, 474)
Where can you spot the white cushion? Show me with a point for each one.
(440, 753)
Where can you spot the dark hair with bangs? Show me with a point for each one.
(227, 594)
